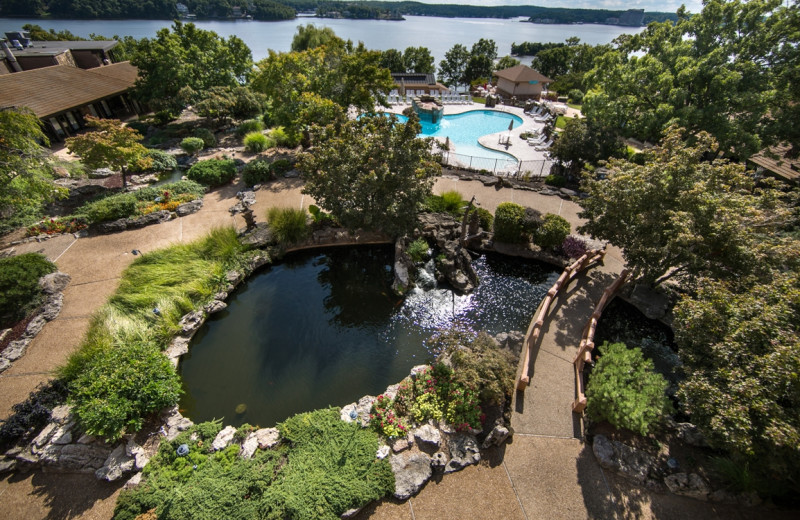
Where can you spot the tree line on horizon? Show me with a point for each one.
(273, 10)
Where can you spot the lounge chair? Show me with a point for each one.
(544, 146)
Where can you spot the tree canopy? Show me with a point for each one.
(371, 173)
(25, 178)
(346, 74)
(110, 145)
(679, 214)
(452, 69)
(180, 63)
(714, 72)
(309, 36)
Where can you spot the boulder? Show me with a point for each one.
(267, 437)
(52, 306)
(7, 465)
(496, 437)
(383, 452)
(464, 451)
(262, 236)
(651, 303)
(133, 481)
(411, 471)
(249, 446)
(115, 226)
(630, 462)
(100, 173)
(54, 282)
(34, 327)
(428, 435)
(156, 217)
(138, 453)
(15, 349)
(188, 208)
(223, 438)
(116, 465)
(191, 322)
(214, 306)
(688, 484)
(439, 461)
(400, 444)
(60, 414)
(76, 457)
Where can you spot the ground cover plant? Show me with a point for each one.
(119, 375)
(20, 292)
(322, 467)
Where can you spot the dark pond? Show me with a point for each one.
(323, 328)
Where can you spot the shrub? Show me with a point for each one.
(485, 218)
(209, 141)
(532, 221)
(624, 390)
(212, 172)
(256, 142)
(281, 166)
(192, 145)
(555, 180)
(283, 138)
(552, 232)
(386, 419)
(19, 285)
(32, 414)
(576, 96)
(508, 223)
(574, 247)
(251, 125)
(256, 172)
(418, 249)
(288, 224)
(121, 205)
(162, 161)
(319, 216)
(121, 385)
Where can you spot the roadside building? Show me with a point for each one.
(781, 162)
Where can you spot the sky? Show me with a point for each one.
(664, 6)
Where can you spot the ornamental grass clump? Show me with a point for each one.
(625, 390)
(119, 375)
(256, 142)
(288, 224)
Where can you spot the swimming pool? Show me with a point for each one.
(464, 130)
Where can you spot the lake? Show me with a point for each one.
(438, 34)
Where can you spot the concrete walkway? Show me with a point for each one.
(545, 472)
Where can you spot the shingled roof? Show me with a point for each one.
(51, 90)
(776, 161)
(522, 74)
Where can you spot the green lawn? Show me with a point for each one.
(573, 105)
(481, 100)
(561, 122)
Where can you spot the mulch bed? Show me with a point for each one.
(16, 332)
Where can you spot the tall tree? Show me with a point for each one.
(25, 177)
(392, 59)
(679, 214)
(453, 67)
(481, 60)
(371, 173)
(506, 62)
(419, 60)
(582, 141)
(309, 36)
(346, 74)
(188, 59)
(111, 145)
(710, 72)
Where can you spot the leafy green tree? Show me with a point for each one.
(625, 390)
(310, 36)
(583, 141)
(371, 173)
(220, 104)
(419, 60)
(392, 59)
(709, 72)
(345, 74)
(785, 110)
(189, 59)
(506, 62)
(679, 214)
(111, 145)
(25, 178)
(739, 344)
(453, 67)
(481, 60)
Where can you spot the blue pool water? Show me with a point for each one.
(464, 130)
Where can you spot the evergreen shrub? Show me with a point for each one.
(257, 171)
(625, 390)
(192, 145)
(19, 285)
(552, 232)
(508, 223)
(209, 141)
(212, 172)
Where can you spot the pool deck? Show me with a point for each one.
(518, 147)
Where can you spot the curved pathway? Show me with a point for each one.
(545, 472)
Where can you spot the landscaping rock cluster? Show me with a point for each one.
(52, 286)
(157, 217)
(664, 474)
